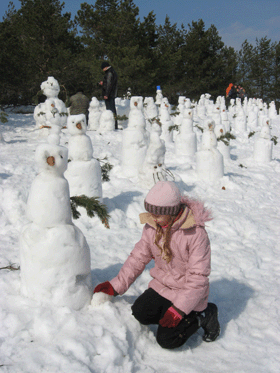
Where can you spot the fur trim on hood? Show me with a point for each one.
(201, 214)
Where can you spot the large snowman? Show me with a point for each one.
(54, 254)
(84, 171)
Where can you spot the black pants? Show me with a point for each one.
(110, 105)
(150, 307)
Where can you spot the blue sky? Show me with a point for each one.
(235, 20)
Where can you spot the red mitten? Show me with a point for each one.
(105, 287)
(171, 318)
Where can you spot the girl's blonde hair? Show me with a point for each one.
(165, 236)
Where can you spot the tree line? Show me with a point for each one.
(41, 39)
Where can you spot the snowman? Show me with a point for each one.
(272, 112)
(186, 141)
(179, 111)
(222, 144)
(240, 120)
(53, 105)
(216, 114)
(84, 172)
(150, 108)
(159, 96)
(225, 120)
(135, 139)
(54, 254)
(209, 160)
(94, 114)
(107, 121)
(153, 169)
(263, 144)
(166, 122)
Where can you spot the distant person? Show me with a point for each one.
(228, 89)
(109, 88)
(233, 93)
(241, 92)
(79, 104)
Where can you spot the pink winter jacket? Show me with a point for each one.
(184, 280)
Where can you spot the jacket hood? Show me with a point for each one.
(194, 214)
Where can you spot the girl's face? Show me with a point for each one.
(162, 220)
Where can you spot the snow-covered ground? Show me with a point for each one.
(244, 282)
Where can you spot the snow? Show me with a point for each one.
(38, 336)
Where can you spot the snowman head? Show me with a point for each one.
(136, 103)
(50, 87)
(77, 124)
(94, 103)
(52, 158)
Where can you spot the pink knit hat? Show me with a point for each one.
(163, 199)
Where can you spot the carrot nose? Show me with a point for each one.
(50, 161)
(79, 126)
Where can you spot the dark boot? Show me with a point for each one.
(208, 320)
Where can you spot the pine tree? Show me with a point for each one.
(42, 43)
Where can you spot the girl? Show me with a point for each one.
(177, 296)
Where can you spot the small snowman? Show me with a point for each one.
(159, 96)
(240, 119)
(107, 121)
(216, 114)
(53, 105)
(223, 144)
(209, 160)
(263, 144)
(54, 254)
(153, 167)
(186, 141)
(135, 139)
(225, 120)
(166, 122)
(272, 112)
(94, 115)
(150, 108)
(84, 172)
(178, 118)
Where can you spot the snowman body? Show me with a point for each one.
(54, 254)
(83, 172)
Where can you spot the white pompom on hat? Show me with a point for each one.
(163, 199)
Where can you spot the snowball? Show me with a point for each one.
(100, 298)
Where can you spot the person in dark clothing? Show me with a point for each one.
(79, 104)
(109, 88)
(233, 93)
